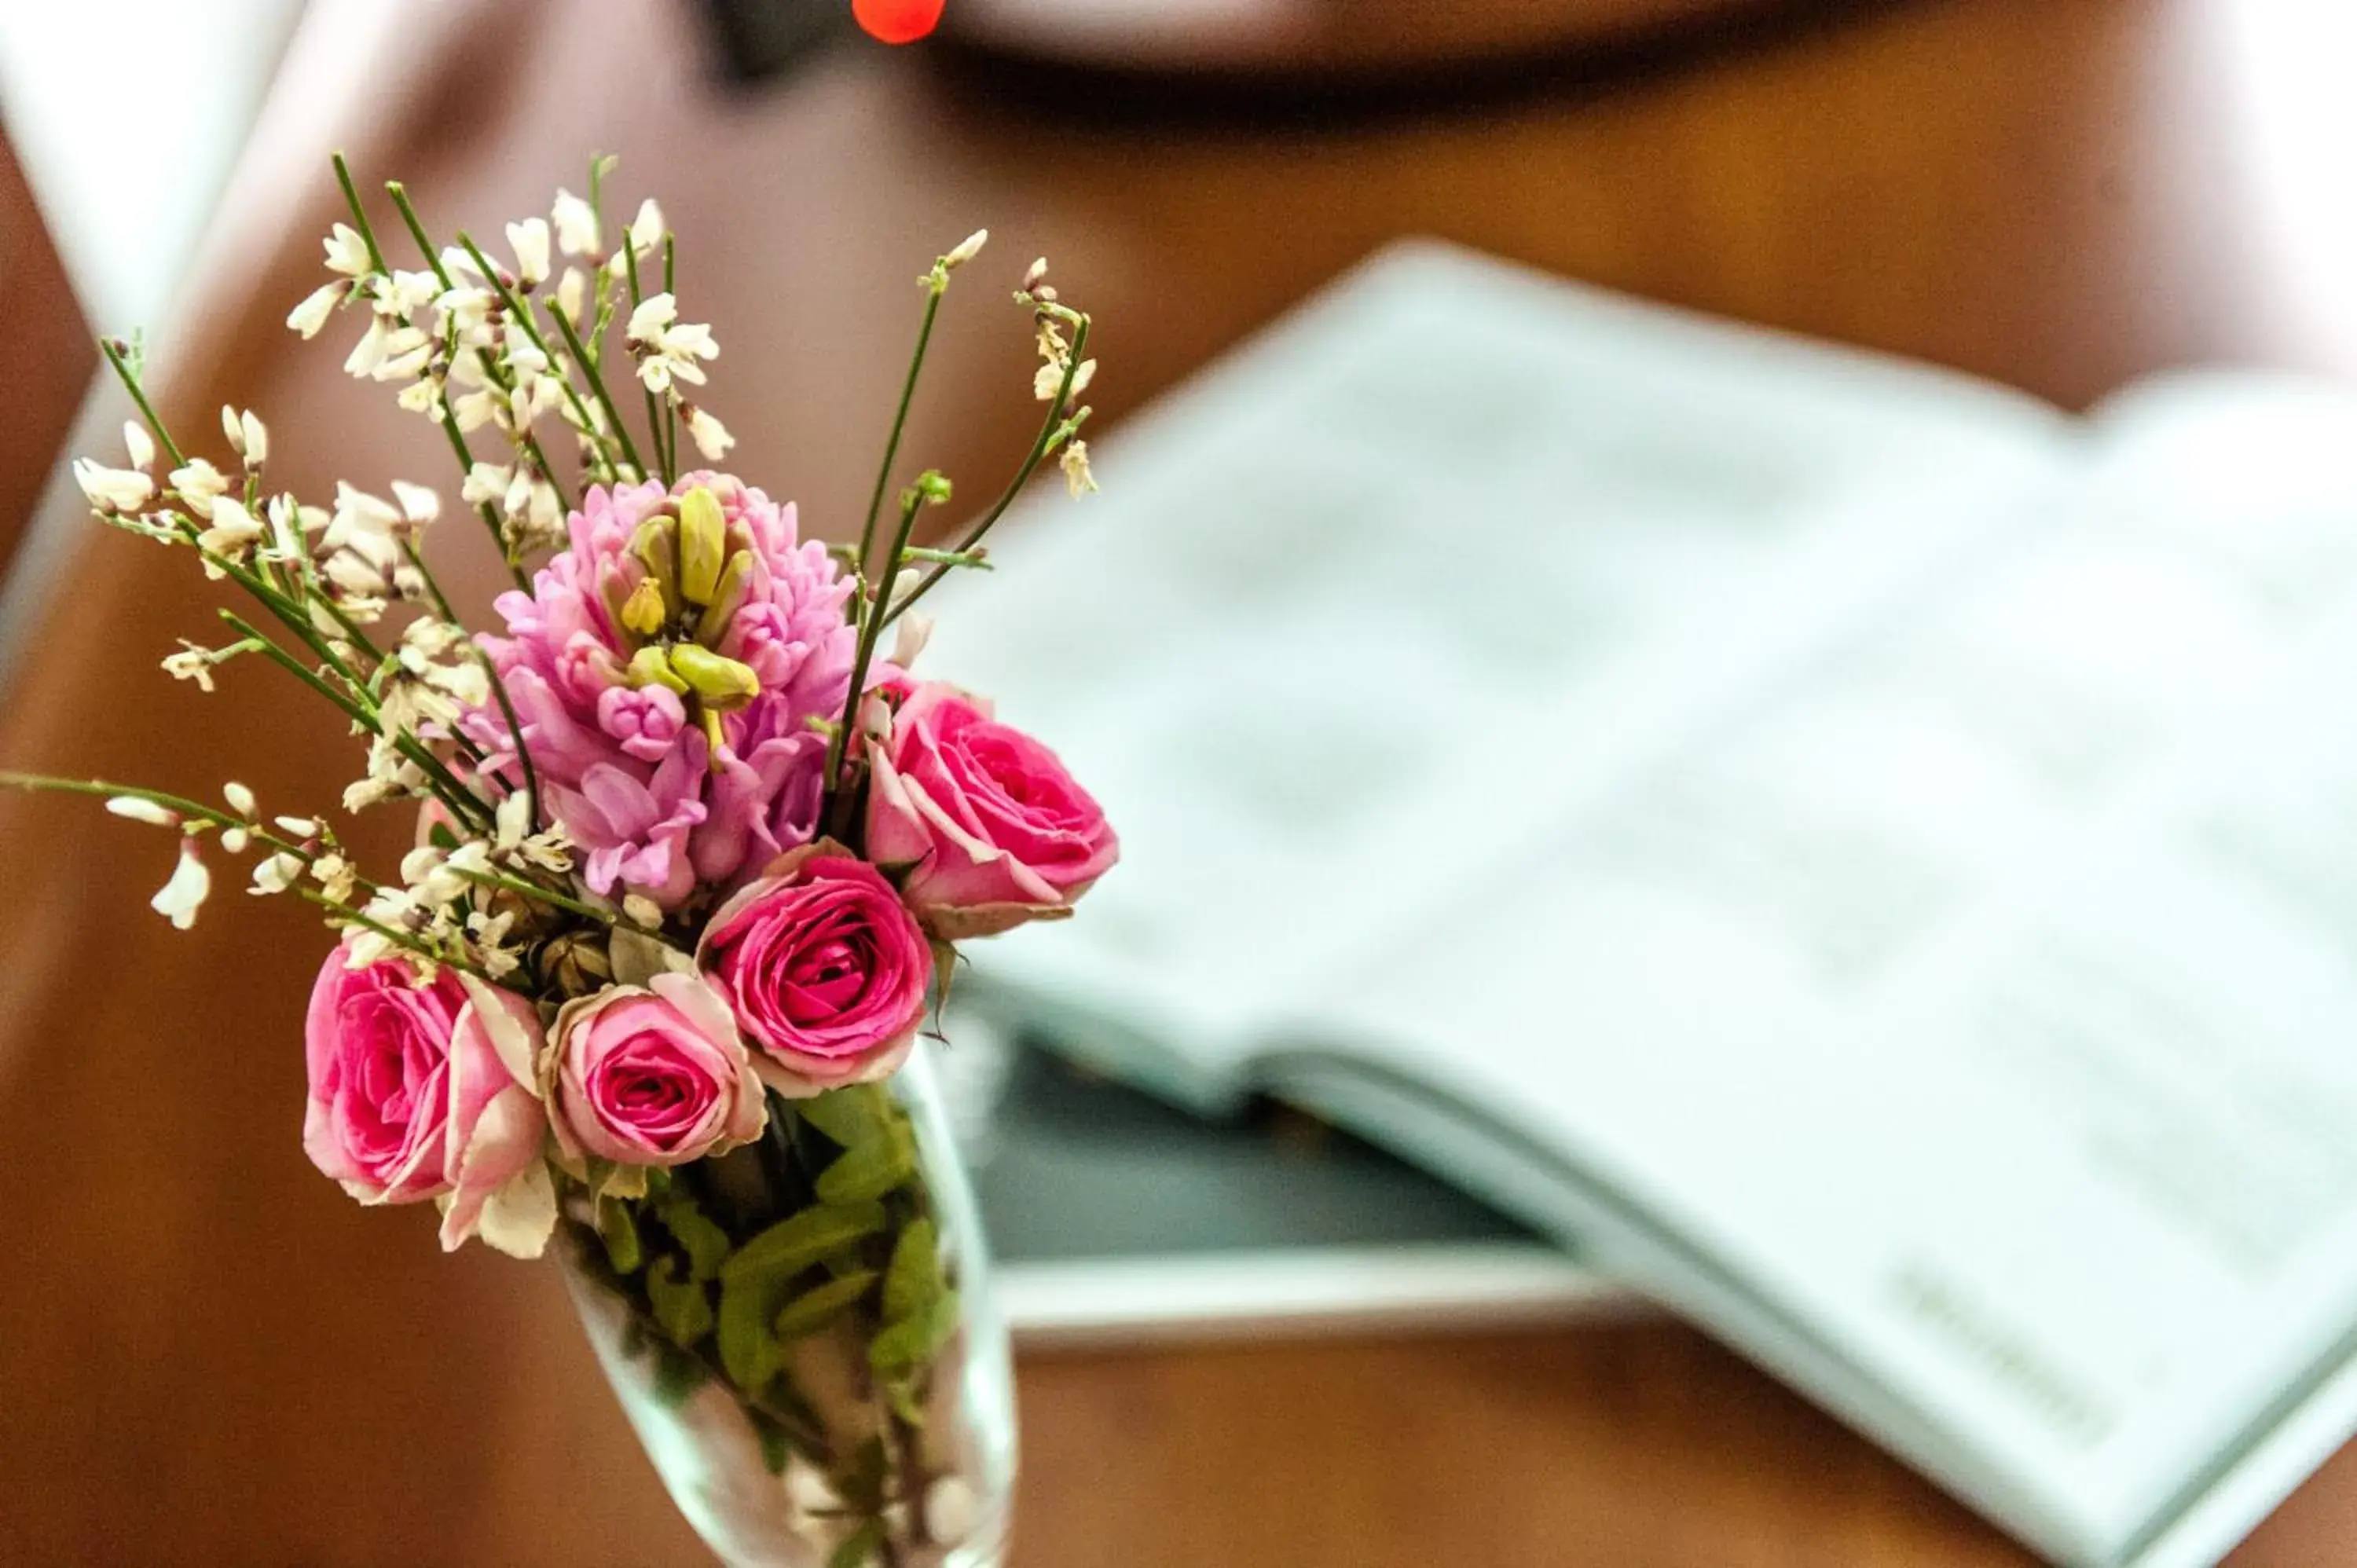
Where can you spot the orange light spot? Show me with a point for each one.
(898, 21)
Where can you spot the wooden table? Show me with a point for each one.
(209, 1355)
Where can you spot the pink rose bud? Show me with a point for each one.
(825, 967)
(422, 1092)
(652, 1074)
(991, 829)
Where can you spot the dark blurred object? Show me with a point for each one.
(1311, 40)
(45, 345)
(759, 40)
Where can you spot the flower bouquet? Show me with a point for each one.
(692, 849)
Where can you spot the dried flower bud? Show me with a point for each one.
(140, 810)
(965, 250)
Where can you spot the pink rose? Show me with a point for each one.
(992, 829)
(825, 967)
(420, 1091)
(651, 1075)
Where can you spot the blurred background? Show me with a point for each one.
(209, 1355)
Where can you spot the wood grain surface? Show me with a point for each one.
(208, 1355)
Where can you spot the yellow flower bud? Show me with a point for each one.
(726, 599)
(649, 667)
(642, 612)
(703, 544)
(722, 683)
(656, 544)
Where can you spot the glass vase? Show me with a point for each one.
(802, 1335)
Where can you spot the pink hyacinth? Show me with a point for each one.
(624, 761)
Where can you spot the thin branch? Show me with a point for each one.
(1057, 412)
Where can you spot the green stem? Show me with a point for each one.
(533, 890)
(360, 216)
(462, 801)
(667, 457)
(450, 422)
(139, 395)
(598, 388)
(871, 626)
(1040, 450)
(402, 939)
(498, 687)
(671, 404)
(899, 423)
(107, 788)
(499, 378)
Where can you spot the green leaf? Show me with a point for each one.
(859, 1549)
(777, 1448)
(619, 1231)
(870, 1170)
(702, 1239)
(794, 1243)
(749, 1348)
(677, 1374)
(816, 1308)
(914, 1277)
(902, 1347)
(850, 1116)
(681, 1306)
(901, 1394)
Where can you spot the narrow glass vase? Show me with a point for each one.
(802, 1335)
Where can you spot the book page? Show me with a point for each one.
(1980, 997)
(1453, 542)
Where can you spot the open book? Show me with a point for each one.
(1865, 856)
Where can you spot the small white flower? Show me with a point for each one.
(317, 306)
(1034, 273)
(419, 504)
(1084, 376)
(402, 352)
(334, 877)
(360, 520)
(191, 663)
(1048, 381)
(529, 241)
(369, 351)
(364, 947)
(239, 798)
(143, 810)
(136, 441)
(647, 229)
(276, 874)
(257, 449)
(1078, 480)
(234, 840)
(233, 432)
(915, 630)
(570, 290)
(576, 224)
(179, 899)
(966, 250)
(711, 436)
(197, 482)
(234, 527)
(423, 396)
(300, 827)
(484, 482)
(399, 294)
(347, 252)
(112, 490)
(668, 348)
